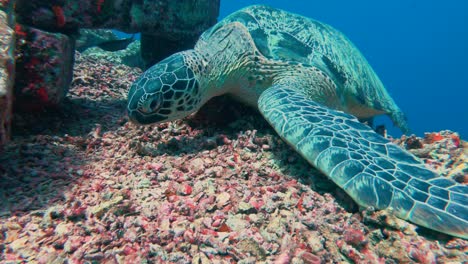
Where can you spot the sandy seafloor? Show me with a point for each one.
(83, 185)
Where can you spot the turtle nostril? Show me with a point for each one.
(143, 110)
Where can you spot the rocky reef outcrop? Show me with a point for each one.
(166, 26)
(44, 67)
(43, 36)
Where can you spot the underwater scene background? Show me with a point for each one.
(418, 48)
(81, 183)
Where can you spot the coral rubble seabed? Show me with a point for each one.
(81, 183)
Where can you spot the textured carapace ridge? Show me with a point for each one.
(283, 36)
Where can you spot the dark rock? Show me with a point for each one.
(7, 63)
(155, 48)
(166, 26)
(93, 37)
(174, 19)
(413, 142)
(129, 56)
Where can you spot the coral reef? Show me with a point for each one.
(84, 185)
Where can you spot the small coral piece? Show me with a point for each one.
(433, 137)
(59, 15)
(19, 30)
(99, 5)
(42, 94)
(456, 140)
(355, 237)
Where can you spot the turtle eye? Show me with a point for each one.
(154, 104)
(150, 104)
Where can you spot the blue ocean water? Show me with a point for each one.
(419, 49)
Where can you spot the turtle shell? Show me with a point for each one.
(280, 35)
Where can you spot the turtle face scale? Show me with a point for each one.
(167, 91)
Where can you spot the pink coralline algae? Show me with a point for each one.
(83, 185)
(354, 237)
(43, 67)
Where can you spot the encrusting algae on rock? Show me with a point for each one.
(85, 185)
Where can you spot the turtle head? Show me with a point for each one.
(167, 91)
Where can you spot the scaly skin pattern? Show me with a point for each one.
(170, 87)
(371, 169)
(304, 76)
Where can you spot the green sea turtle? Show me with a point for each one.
(310, 83)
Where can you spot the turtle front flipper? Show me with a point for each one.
(371, 169)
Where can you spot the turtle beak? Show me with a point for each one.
(132, 105)
(143, 119)
(136, 116)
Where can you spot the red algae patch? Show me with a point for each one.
(83, 185)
